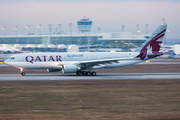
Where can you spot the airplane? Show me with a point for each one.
(82, 63)
(9, 50)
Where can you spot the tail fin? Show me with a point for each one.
(151, 46)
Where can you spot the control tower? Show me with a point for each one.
(84, 24)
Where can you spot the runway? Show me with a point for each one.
(142, 63)
(100, 76)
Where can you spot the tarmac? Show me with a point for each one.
(99, 76)
(172, 72)
(159, 63)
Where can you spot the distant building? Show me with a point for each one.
(119, 41)
(93, 41)
(84, 24)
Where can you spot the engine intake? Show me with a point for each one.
(53, 70)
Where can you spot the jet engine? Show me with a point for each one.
(70, 68)
(55, 69)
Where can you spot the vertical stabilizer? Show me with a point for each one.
(152, 45)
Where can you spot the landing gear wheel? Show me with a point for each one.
(93, 73)
(78, 73)
(88, 73)
(23, 73)
(83, 72)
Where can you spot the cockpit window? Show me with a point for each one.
(11, 58)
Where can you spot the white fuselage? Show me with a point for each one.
(50, 60)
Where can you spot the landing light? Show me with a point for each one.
(21, 69)
(138, 31)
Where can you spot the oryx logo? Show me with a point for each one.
(153, 44)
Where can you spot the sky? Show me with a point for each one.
(110, 15)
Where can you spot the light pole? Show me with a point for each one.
(123, 26)
(16, 32)
(147, 25)
(39, 26)
(70, 25)
(163, 19)
(4, 30)
(138, 28)
(59, 25)
(28, 28)
(50, 28)
(15, 28)
(87, 30)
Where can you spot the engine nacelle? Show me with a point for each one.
(70, 68)
(53, 70)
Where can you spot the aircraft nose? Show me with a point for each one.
(5, 62)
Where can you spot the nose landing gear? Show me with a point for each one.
(22, 72)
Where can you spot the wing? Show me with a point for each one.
(100, 63)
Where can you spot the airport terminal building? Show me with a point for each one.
(84, 39)
(98, 41)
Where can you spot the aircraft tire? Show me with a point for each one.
(78, 73)
(23, 73)
(88, 73)
(83, 72)
(93, 73)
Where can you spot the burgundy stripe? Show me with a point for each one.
(154, 38)
(158, 37)
(159, 33)
(153, 43)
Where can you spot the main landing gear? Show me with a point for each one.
(79, 73)
(22, 72)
